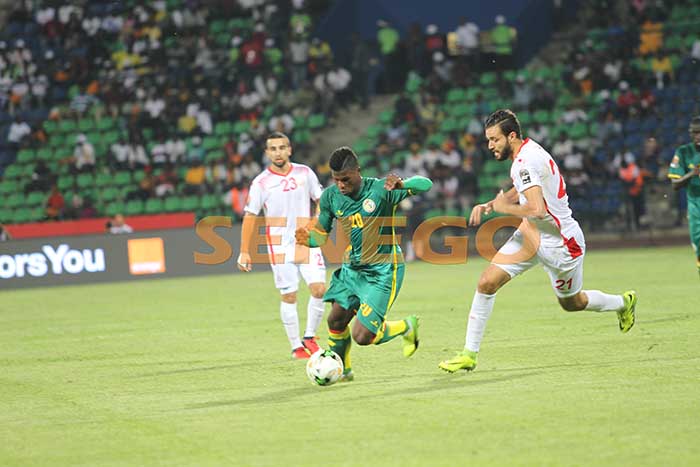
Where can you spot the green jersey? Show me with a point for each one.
(367, 219)
(686, 158)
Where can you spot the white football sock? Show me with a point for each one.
(314, 315)
(482, 306)
(290, 321)
(599, 301)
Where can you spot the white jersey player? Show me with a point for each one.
(283, 192)
(547, 235)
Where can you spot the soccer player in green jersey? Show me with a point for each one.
(370, 277)
(685, 172)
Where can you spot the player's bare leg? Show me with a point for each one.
(339, 339)
(314, 315)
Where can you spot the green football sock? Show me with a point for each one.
(340, 343)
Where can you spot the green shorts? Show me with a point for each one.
(370, 292)
(694, 224)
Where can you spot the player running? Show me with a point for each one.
(685, 172)
(370, 278)
(284, 191)
(539, 198)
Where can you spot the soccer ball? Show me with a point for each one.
(324, 367)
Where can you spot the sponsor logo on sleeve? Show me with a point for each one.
(525, 176)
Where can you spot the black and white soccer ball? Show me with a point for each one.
(324, 367)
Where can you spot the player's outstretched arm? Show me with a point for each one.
(313, 235)
(413, 185)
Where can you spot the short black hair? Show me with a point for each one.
(276, 135)
(506, 120)
(695, 121)
(343, 158)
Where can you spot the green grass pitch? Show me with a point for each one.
(197, 372)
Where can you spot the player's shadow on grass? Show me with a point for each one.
(287, 395)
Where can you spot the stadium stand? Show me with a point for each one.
(623, 97)
(145, 107)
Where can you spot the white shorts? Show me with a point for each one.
(287, 274)
(565, 272)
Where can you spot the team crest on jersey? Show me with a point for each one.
(525, 176)
(675, 162)
(368, 205)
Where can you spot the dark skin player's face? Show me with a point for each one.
(348, 181)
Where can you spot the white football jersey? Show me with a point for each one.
(532, 165)
(286, 197)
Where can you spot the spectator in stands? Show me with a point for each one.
(136, 155)
(81, 103)
(144, 190)
(41, 178)
(83, 160)
(360, 68)
(404, 108)
(166, 182)
(55, 204)
(299, 58)
(4, 234)
(449, 157)
(388, 39)
(562, 147)
(468, 42)
(18, 133)
(119, 226)
(283, 122)
(414, 163)
(662, 68)
(237, 196)
(608, 127)
(196, 151)
(88, 210)
(633, 180)
(651, 37)
(339, 80)
(627, 100)
(522, 94)
(442, 67)
(119, 154)
(503, 39)
(216, 176)
(195, 178)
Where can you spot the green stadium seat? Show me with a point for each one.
(373, 131)
(109, 194)
(13, 171)
(209, 202)
(105, 124)
(25, 156)
(190, 203)
(45, 154)
(241, 126)
(50, 126)
(122, 178)
(8, 187)
(317, 121)
(22, 216)
(35, 198)
(103, 179)
(386, 117)
(67, 126)
(173, 203)
(153, 206)
(223, 129)
(115, 208)
(86, 124)
(6, 215)
(134, 207)
(37, 214)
